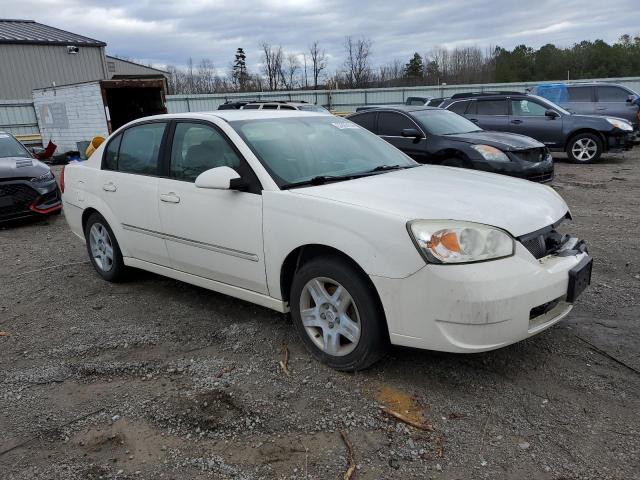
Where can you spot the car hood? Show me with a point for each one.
(502, 140)
(447, 193)
(21, 167)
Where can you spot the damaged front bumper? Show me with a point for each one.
(483, 306)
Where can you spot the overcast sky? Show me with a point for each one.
(169, 31)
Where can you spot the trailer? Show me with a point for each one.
(71, 115)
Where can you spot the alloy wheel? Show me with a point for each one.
(584, 149)
(101, 247)
(330, 316)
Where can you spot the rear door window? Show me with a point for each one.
(612, 94)
(580, 94)
(391, 124)
(459, 107)
(139, 149)
(110, 161)
(251, 107)
(527, 108)
(492, 107)
(366, 120)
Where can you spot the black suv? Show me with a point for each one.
(583, 137)
(433, 135)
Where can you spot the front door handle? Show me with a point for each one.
(516, 121)
(109, 187)
(601, 108)
(170, 197)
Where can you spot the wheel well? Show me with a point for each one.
(450, 153)
(586, 130)
(86, 214)
(305, 253)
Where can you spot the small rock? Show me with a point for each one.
(524, 445)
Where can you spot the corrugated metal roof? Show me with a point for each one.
(29, 31)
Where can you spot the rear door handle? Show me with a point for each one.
(170, 197)
(601, 108)
(516, 121)
(109, 187)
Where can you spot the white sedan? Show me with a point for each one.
(312, 214)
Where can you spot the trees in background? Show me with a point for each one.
(459, 65)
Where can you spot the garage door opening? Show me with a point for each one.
(127, 100)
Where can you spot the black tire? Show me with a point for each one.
(373, 340)
(117, 269)
(590, 138)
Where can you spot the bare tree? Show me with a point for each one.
(358, 69)
(206, 77)
(272, 64)
(318, 62)
(289, 71)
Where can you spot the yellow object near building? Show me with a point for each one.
(95, 143)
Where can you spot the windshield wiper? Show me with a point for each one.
(322, 179)
(319, 180)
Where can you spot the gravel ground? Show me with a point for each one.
(154, 378)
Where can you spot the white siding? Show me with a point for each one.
(25, 67)
(82, 107)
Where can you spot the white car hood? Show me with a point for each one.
(434, 192)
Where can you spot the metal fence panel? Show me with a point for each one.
(18, 117)
(349, 100)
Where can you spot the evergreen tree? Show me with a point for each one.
(415, 68)
(240, 75)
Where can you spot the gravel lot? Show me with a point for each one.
(158, 379)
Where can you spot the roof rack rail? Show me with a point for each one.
(264, 100)
(484, 94)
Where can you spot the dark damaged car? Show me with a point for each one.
(433, 135)
(27, 186)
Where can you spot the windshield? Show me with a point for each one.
(549, 104)
(313, 108)
(10, 147)
(299, 149)
(444, 122)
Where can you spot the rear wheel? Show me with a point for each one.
(584, 148)
(103, 249)
(337, 314)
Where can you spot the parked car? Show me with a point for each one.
(433, 135)
(27, 186)
(417, 101)
(593, 98)
(583, 137)
(234, 104)
(285, 105)
(312, 214)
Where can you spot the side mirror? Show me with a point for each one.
(219, 178)
(631, 98)
(411, 133)
(551, 114)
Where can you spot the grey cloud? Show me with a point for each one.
(168, 32)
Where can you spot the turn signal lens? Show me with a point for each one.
(460, 242)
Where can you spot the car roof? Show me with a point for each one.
(231, 115)
(399, 108)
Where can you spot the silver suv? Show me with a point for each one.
(284, 105)
(593, 98)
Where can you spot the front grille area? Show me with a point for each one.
(533, 155)
(15, 198)
(543, 242)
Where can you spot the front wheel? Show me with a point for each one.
(584, 148)
(337, 314)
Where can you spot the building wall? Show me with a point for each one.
(117, 66)
(71, 114)
(26, 67)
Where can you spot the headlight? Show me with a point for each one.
(621, 124)
(491, 153)
(449, 241)
(45, 177)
